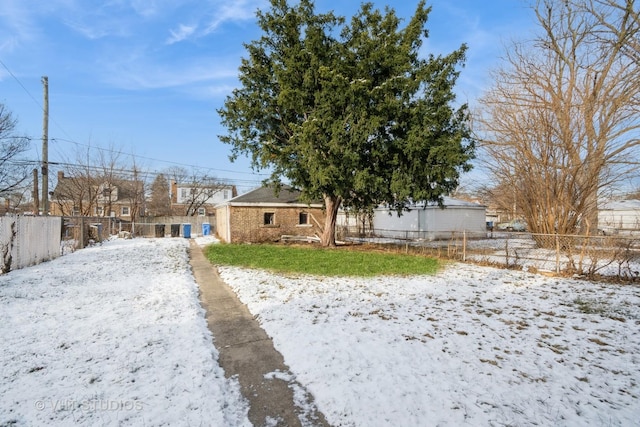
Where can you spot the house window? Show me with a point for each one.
(303, 218)
(99, 211)
(124, 211)
(202, 211)
(225, 194)
(75, 212)
(269, 218)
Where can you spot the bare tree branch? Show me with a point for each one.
(562, 122)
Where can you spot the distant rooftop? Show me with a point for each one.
(287, 194)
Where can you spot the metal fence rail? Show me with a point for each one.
(79, 231)
(591, 256)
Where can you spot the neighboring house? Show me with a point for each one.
(82, 196)
(623, 215)
(261, 216)
(17, 203)
(429, 221)
(198, 198)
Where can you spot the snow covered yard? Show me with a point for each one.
(111, 335)
(471, 346)
(114, 334)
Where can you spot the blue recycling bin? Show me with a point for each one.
(186, 231)
(206, 229)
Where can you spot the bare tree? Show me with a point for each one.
(560, 124)
(98, 183)
(76, 190)
(194, 190)
(13, 171)
(109, 177)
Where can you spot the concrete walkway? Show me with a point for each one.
(246, 351)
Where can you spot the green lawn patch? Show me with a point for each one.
(341, 261)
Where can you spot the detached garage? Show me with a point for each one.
(262, 216)
(431, 222)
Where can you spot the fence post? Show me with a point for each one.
(506, 252)
(81, 235)
(464, 245)
(557, 254)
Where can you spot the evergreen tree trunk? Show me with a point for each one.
(332, 203)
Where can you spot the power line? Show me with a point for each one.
(157, 160)
(21, 85)
(141, 173)
(134, 156)
(121, 152)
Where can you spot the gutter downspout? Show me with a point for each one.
(228, 224)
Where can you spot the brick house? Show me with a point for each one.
(261, 216)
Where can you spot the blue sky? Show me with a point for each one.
(145, 77)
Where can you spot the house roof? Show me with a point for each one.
(451, 202)
(267, 196)
(448, 202)
(622, 205)
(214, 185)
(68, 187)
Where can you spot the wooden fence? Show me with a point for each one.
(28, 240)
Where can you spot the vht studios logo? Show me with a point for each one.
(88, 405)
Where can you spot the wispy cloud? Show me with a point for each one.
(212, 16)
(182, 33)
(239, 10)
(136, 73)
(17, 25)
(148, 8)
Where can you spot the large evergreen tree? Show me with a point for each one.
(349, 113)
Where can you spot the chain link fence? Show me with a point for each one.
(589, 256)
(80, 231)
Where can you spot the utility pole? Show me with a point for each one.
(36, 201)
(45, 149)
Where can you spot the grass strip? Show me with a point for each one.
(341, 261)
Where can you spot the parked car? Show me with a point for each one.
(513, 225)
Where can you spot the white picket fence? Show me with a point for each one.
(28, 240)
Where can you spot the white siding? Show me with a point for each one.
(214, 197)
(430, 222)
(622, 215)
(619, 219)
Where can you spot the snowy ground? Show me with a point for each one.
(471, 346)
(120, 325)
(111, 335)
